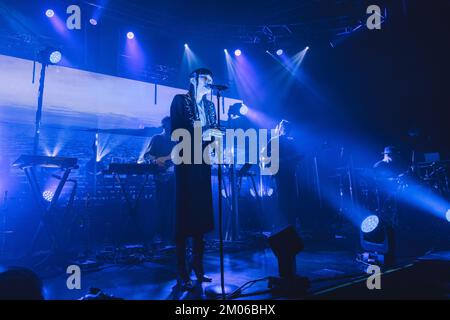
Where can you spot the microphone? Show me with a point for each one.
(218, 87)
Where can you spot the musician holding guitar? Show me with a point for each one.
(158, 152)
(160, 147)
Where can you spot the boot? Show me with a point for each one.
(184, 281)
(196, 263)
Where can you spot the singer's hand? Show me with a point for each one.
(208, 134)
(216, 133)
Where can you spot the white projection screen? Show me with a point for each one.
(76, 103)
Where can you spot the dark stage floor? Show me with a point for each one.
(332, 270)
(155, 280)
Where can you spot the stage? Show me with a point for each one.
(296, 149)
(333, 274)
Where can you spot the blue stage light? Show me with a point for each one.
(50, 13)
(237, 52)
(48, 195)
(186, 45)
(55, 57)
(279, 52)
(243, 110)
(237, 110)
(225, 50)
(370, 223)
(93, 21)
(130, 35)
(447, 215)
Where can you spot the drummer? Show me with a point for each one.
(391, 166)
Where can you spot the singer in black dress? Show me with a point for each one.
(194, 206)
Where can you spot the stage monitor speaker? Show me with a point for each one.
(286, 244)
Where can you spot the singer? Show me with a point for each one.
(194, 207)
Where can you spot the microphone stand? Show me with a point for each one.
(37, 130)
(215, 291)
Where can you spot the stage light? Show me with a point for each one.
(93, 21)
(50, 13)
(130, 35)
(48, 195)
(447, 215)
(237, 52)
(377, 239)
(307, 48)
(49, 55)
(236, 110)
(243, 110)
(286, 244)
(55, 57)
(186, 46)
(225, 50)
(369, 224)
(279, 52)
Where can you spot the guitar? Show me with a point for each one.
(163, 162)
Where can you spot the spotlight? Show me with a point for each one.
(93, 21)
(225, 50)
(369, 224)
(48, 195)
(236, 110)
(55, 57)
(130, 35)
(49, 55)
(447, 215)
(186, 45)
(279, 52)
(307, 48)
(377, 239)
(50, 13)
(237, 52)
(243, 110)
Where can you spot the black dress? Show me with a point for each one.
(287, 180)
(194, 207)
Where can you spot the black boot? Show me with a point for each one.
(184, 281)
(198, 248)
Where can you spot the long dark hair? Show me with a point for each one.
(192, 93)
(196, 74)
